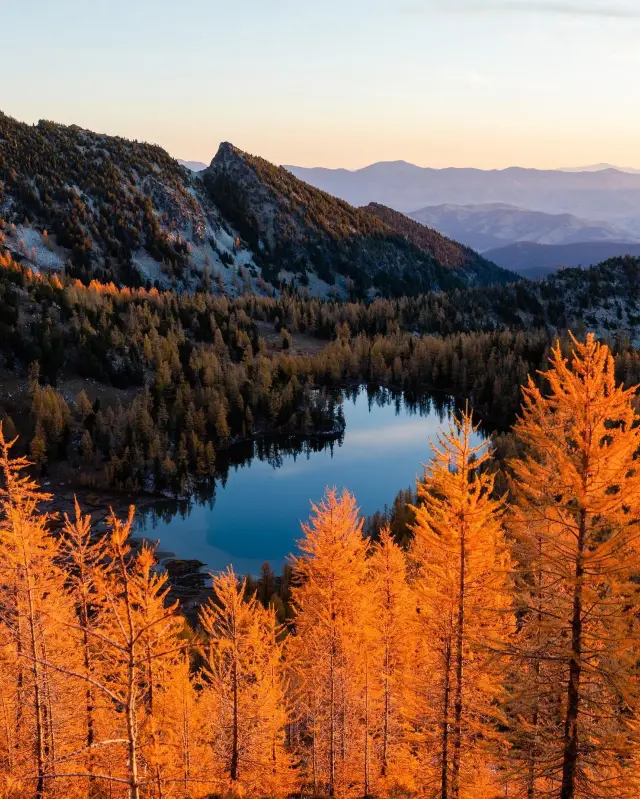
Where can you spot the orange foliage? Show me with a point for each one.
(577, 521)
(475, 664)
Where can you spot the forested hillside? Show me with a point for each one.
(107, 208)
(141, 389)
(101, 199)
(478, 270)
(493, 654)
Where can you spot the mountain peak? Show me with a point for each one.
(226, 151)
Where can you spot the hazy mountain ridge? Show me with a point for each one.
(537, 260)
(491, 225)
(610, 195)
(600, 168)
(194, 166)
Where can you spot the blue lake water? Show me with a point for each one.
(255, 515)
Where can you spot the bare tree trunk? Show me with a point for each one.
(134, 788)
(234, 769)
(89, 699)
(37, 687)
(531, 776)
(83, 613)
(387, 712)
(366, 729)
(131, 704)
(20, 680)
(186, 744)
(8, 733)
(444, 770)
(459, 663)
(344, 731)
(535, 716)
(570, 754)
(332, 716)
(314, 758)
(50, 742)
(152, 722)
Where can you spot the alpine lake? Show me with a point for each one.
(253, 514)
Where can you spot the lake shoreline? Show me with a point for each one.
(254, 514)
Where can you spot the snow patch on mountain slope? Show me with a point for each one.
(149, 268)
(31, 244)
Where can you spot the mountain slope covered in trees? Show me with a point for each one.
(301, 229)
(478, 270)
(113, 209)
(177, 379)
(104, 201)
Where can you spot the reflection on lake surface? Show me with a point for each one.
(256, 512)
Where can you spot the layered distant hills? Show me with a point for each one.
(511, 208)
(537, 260)
(194, 166)
(126, 211)
(610, 195)
(600, 168)
(492, 225)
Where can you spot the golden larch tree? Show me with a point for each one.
(138, 644)
(243, 691)
(326, 652)
(84, 557)
(395, 635)
(41, 721)
(463, 589)
(578, 493)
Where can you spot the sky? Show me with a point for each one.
(337, 83)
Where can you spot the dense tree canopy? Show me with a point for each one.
(493, 654)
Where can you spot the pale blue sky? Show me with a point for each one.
(486, 83)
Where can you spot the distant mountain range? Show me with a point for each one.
(608, 194)
(487, 226)
(113, 209)
(538, 260)
(194, 166)
(600, 168)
